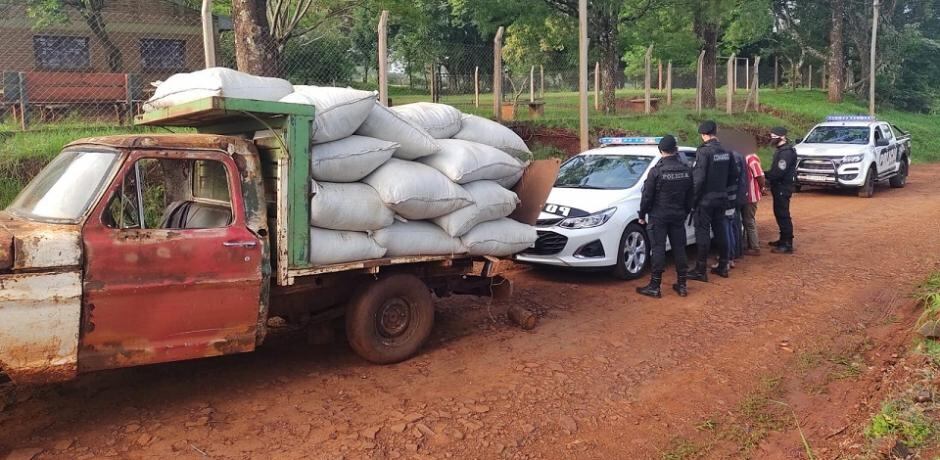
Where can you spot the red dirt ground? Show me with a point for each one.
(605, 375)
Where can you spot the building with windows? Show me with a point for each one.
(150, 39)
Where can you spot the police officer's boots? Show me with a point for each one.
(653, 289)
(722, 269)
(681, 287)
(783, 248)
(699, 274)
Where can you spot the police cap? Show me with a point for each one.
(668, 144)
(708, 127)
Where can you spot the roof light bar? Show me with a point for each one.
(850, 118)
(630, 140)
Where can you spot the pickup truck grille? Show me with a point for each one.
(817, 165)
(548, 243)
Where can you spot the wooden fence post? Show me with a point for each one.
(810, 75)
(648, 87)
(660, 86)
(747, 73)
(669, 83)
(698, 81)
(793, 77)
(383, 58)
(597, 86)
(583, 127)
(731, 77)
(476, 86)
(825, 78)
(532, 84)
(434, 89)
(754, 90)
(498, 74)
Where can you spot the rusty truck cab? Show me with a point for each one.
(130, 250)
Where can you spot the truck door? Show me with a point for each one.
(891, 151)
(171, 270)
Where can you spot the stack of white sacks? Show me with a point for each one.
(414, 180)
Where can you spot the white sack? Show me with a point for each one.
(340, 111)
(485, 131)
(414, 141)
(511, 181)
(490, 202)
(351, 207)
(439, 120)
(350, 159)
(333, 247)
(216, 81)
(416, 191)
(464, 162)
(500, 238)
(418, 239)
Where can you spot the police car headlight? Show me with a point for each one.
(594, 220)
(853, 158)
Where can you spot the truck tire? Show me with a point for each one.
(867, 189)
(900, 180)
(390, 319)
(633, 257)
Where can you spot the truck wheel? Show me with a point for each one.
(390, 320)
(868, 188)
(900, 180)
(634, 255)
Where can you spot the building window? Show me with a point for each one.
(61, 53)
(162, 54)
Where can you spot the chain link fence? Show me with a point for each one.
(78, 69)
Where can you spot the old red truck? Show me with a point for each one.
(148, 248)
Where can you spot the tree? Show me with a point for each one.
(45, 12)
(837, 51)
(263, 28)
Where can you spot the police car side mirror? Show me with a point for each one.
(799, 141)
(882, 143)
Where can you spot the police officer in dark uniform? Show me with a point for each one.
(714, 174)
(781, 177)
(667, 200)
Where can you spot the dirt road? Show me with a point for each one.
(605, 375)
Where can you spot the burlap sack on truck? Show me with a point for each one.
(464, 162)
(335, 247)
(488, 132)
(350, 159)
(499, 238)
(417, 239)
(439, 120)
(490, 202)
(340, 111)
(350, 207)
(216, 81)
(414, 142)
(416, 191)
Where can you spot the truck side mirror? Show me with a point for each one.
(882, 143)
(799, 141)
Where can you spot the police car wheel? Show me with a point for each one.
(634, 255)
(868, 189)
(900, 180)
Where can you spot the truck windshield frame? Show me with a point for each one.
(65, 190)
(610, 172)
(854, 135)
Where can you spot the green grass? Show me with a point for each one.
(906, 421)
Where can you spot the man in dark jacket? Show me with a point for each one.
(781, 176)
(667, 200)
(713, 176)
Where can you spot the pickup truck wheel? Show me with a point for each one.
(900, 180)
(390, 320)
(634, 255)
(868, 188)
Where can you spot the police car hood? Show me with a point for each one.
(582, 201)
(829, 150)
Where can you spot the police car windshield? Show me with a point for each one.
(838, 135)
(604, 172)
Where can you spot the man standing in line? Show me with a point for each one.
(667, 200)
(714, 173)
(755, 188)
(781, 176)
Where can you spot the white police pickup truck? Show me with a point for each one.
(853, 152)
(590, 218)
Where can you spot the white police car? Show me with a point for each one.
(590, 218)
